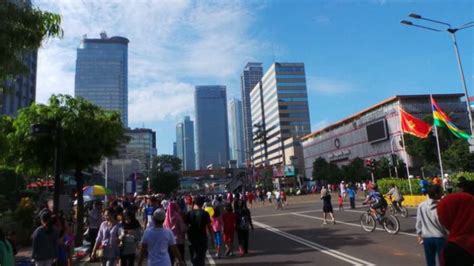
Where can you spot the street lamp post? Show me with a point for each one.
(394, 161)
(452, 31)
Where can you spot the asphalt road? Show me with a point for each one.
(296, 236)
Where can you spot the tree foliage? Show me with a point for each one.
(84, 133)
(23, 28)
(330, 172)
(161, 181)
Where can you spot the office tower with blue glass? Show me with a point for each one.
(279, 104)
(212, 134)
(185, 144)
(251, 75)
(102, 73)
(236, 135)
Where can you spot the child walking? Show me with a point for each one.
(340, 200)
(217, 227)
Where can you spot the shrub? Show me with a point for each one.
(402, 185)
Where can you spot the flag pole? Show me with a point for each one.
(404, 147)
(437, 140)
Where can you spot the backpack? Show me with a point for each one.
(244, 222)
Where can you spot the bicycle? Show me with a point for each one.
(394, 210)
(389, 222)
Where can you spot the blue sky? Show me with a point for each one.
(356, 52)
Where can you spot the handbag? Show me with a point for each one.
(99, 253)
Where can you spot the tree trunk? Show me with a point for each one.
(80, 207)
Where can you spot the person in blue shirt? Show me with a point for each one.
(424, 186)
(351, 192)
(376, 201)
(149, 210)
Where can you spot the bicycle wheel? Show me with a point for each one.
(403, 212)
(367, 222)
(391, 224)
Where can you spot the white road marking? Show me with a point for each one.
(280, 214)
(351, 224)
(210, 259)
(331, 252)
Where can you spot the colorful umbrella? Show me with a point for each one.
(96, 190)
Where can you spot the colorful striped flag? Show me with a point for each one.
(471, 102)
(441, 119)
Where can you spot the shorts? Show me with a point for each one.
(327, 208)
(229, 237)
(218, 238)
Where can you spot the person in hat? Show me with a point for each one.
(156, 241)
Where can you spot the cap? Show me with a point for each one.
(159, 215)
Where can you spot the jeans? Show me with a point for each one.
(433, 247)
(198, 249)
(352, 201)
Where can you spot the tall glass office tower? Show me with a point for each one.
(102, 73)
(236, 132)
(212, 135)
(185, 143)
(279, 102)
(251, 75)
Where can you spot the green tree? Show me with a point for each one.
(165, 182)
(6, 127)
(355, 171)
(320, 169)
(86, 133)
(383, 168)
(161, 181)
(160, 161)
(23, 28)
(457, 156)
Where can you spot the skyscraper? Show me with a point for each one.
(236, 132)
(20, 91)
(212, 135)
(280, 105)
(251, 75)
(185, 143)
(102, 73)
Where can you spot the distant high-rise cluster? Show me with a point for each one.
(185, 144)
(102, 73)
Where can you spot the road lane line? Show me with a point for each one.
(281, 214)
(331, 252)
(346, 223)
(210, 259)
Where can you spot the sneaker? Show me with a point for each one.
(334, 221)
(325, 222)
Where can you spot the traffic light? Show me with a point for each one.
(370, 164)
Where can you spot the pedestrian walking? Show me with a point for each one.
(244, 224)
(229, 220)
(45, 241)
(327, 206)
(199, 226)
(156, 242)
(129, 236)
(174, 222)
(94, 219)
(217, 228)
(456, 213)
(340, 201)
(428, 228)
(106, 246)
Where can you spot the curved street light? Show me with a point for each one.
(452, 31)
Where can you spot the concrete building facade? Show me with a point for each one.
(250, 76)
(279, 105)
(236, 135)
(375, 132)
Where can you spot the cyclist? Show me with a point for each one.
(396, 197)
(376, 201)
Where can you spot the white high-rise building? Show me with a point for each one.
(236, 134)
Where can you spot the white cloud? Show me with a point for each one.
(329, 86)
(173, 44)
